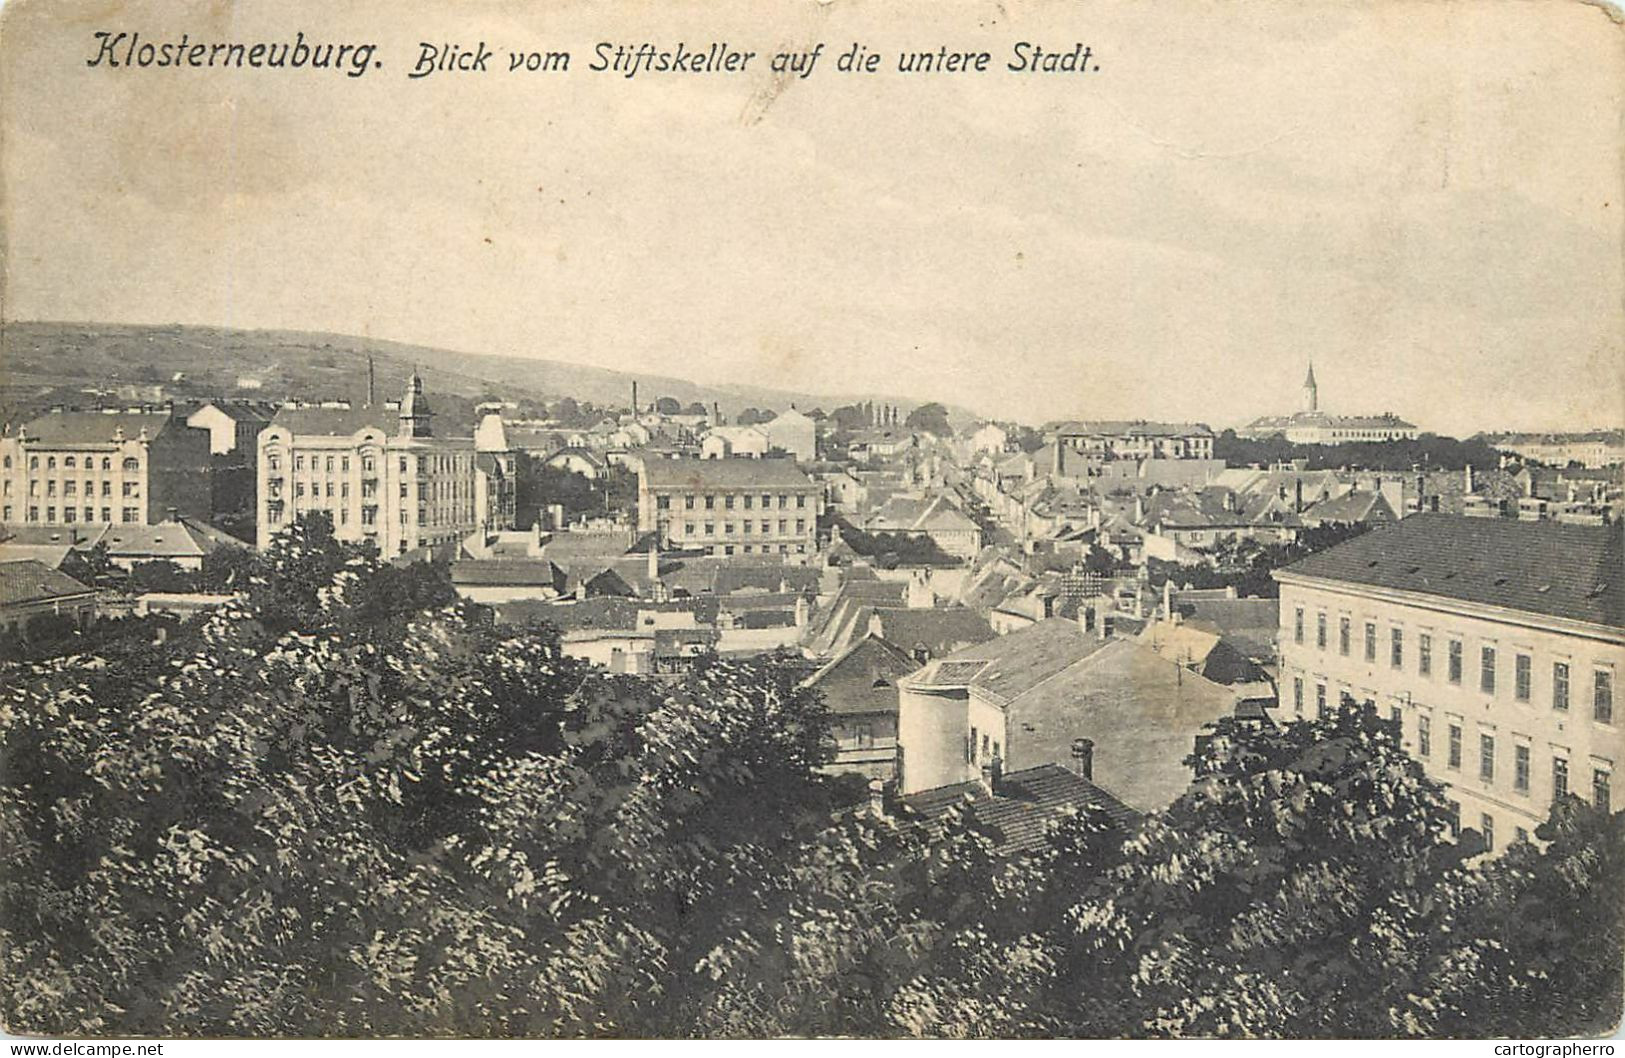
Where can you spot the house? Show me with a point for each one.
(184, 541)
(1494, 644)
(859, 687)
(132, 467)
(499, 580)
(988, 437)
(1031, 697)
(234, 426)
(32, 592)
(935, 518)
(734, 442)
(583, 461)
(1356, 507)
(793, 433)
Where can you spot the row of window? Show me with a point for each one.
(328, 464)
(130, 464)
(71, 514)
(987, 750)
(745, 500)
(710, 528)
(71, 487)
(764, 549)
(1521, 752)
(1602, 682)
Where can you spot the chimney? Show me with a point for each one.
(993, 775)
(877, 797)
(1467, 480)
(171, 514)
(1297, 496)
(372, 382)
(654, 565)
(634, 398)
(1083, 757)
(1168, 600)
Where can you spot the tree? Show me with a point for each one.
(931, 418)
(671, 406)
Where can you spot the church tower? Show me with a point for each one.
(1311, 393)
(415, 413)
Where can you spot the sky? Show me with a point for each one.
(1423, 198)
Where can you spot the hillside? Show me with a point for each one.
(42, 357)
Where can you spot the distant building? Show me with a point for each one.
(125, 468)
(234, 426)
(1593, 449)
(730, 506)
(794, 433)
(734, 442)
(1496, 643)
(1310, 425)
(933, 518)
(859, 687)
(382, 475)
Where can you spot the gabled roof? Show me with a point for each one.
(1576, 572)
(1351, 507)
(863, 678)
(1026, 803)
(166, 540)
(1012, 664)
(508, 572)
(28, 581)
(939, 630)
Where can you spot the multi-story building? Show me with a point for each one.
(381, 474)
(730, 506)
(1495, 643)
(1594, 449)
(1309, 425)
(135, 467)
(1110, 440)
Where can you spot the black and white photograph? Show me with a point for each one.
(812, 520)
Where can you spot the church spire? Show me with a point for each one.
(1311, 392)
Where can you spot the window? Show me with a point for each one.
(1397, 716)
(1396, 648)
(1486, 757)
(970, 747)
(129, 515)
(747, 501)
(1599, 789)
(1486, 670)
(801, 501)
(1560, 685)
(1320, 630)
(1297, 694)
(107, 488)
(1520, 769)
(1520, 677)
(1560, 778)
(50, 462)
(1602, 697)
(710, 503)
(33, 514)
(1343, 636)
(728, 501)
(298, 462)
(272, 463)
(688, 503)
(1297, 626)
(767, 527)
(1453, 756)
(1520, 835)
(1486, 823)
(107, 514)
(1424, 654)
(688, 528)
(50, 514)
(1424, 736)
(107, 464)
(663, 503)
(33, 462)
(132, 465)
(1454, 671)
(1320, 701)
(69, 463)
(1370, 641)
(801, 525)
(70, 514)
(710, 528)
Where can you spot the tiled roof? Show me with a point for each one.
(863, 679)
(511, 572)
(1351, 507)
(1569, 571)
(1026, 802)
(702, 474)
(29, 581)
(1018, 661)
(95, 427)
(940, 630)
(164, 540)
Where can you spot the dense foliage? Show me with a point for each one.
(1248, 565)
(351, 805)
(1426, 452)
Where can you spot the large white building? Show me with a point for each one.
(382, 475)
(136, 467)
(730, 506)
(1496, 643)
(1309, 425)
